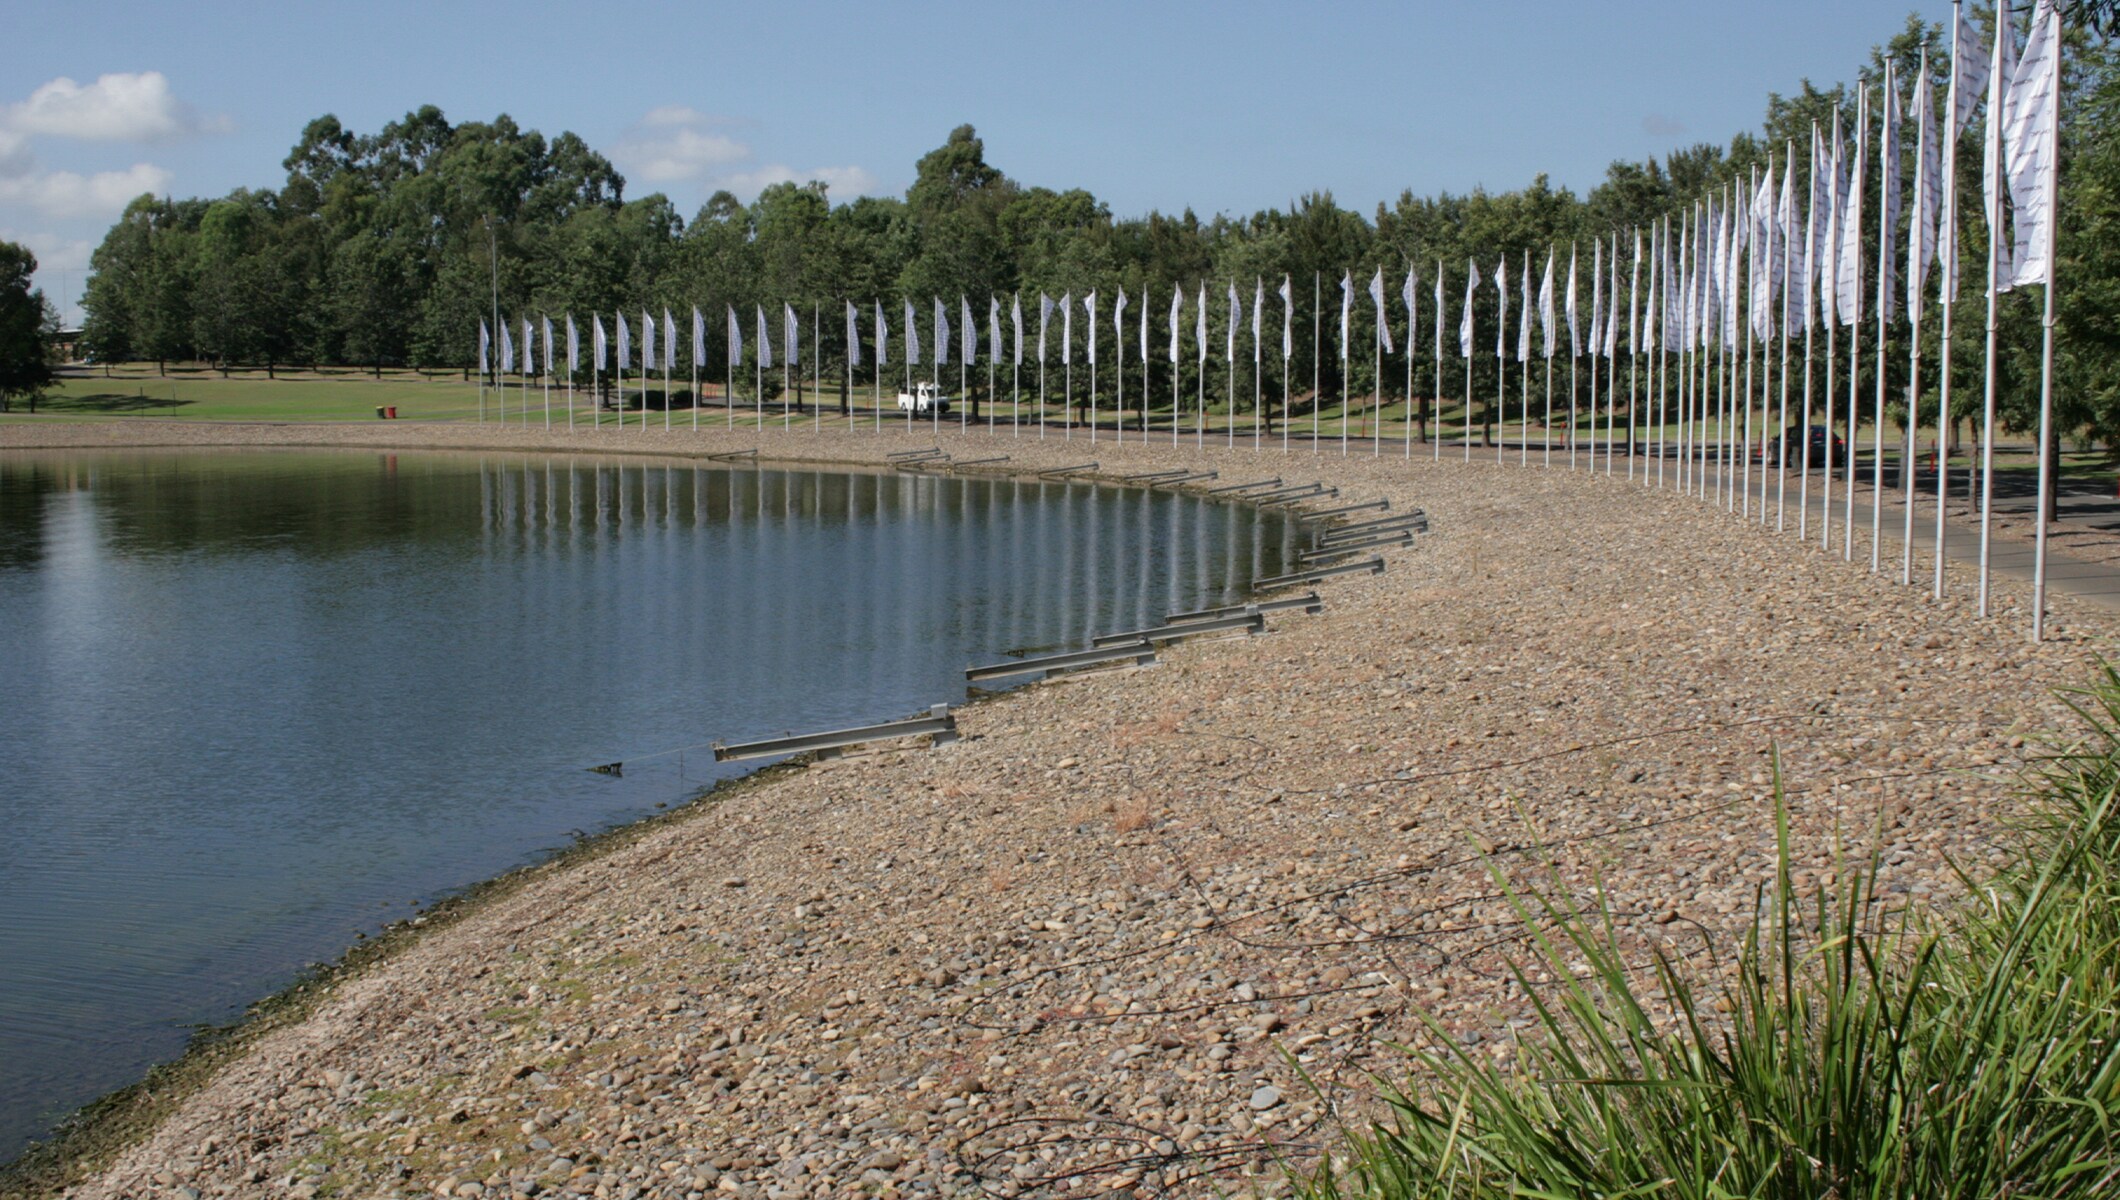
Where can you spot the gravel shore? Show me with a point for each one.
(1142, 931)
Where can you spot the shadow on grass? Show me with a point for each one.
(111, 402)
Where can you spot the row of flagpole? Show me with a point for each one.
(1728, 260)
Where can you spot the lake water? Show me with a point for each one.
(257, 702)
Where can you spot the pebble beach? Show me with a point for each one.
(1153, 931)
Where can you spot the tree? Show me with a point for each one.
(26, 325)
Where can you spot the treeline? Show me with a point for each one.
(387, 249)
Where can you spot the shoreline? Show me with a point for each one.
(1194, 867)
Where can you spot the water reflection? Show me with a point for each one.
(261, 700)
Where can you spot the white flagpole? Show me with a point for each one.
(1412, 301)
(1317, 369)
(2049, 129)
(1434, 429)
(1611, 347)
(1788, 285)
(1523, 366)
(1862, 150)
(1634, 354)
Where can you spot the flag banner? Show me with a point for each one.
(2001, 69)
(1089, 307)
(1759, 267)
(545, 332)
(790, 336)
(574, 347)
(1346, 309)
(1523, 318)
(1376, 294)
(599, 343)
(1970, 65)
(993, 331)
(1829, 245)
(1015, 320)
(1847, 304)
(507, 350)
(1408, 293)
(1649, 299)
(1236, 319)
(1575, 329)
(883, 337)
(1815, 206)
(853, 336)
(765, 340)
(735, 339)
(1288, 320)
(648, 361)
(485, 340)
(529, 347)
(1597, 295)
(1472, 287)
(2030, 128)
(622, 357)
(1045, 316)
(1258, 318)
(669, 341)
(1928, 186)
(1067, 328)
(1439, 323)
(1546, 330)
(1784, 225)
(1501, 305)
(912, 336)
(1177, 305)
(1612, 299)
(1144, 324)
(1634, 300)
(1888, 200)
(942, 333)
(1200, 323)
(967, 332)
(1969, 79)
(699, 339)
(1732, 239)
(1119, 324)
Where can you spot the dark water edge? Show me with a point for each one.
(624, 541)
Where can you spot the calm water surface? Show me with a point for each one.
(257, 702)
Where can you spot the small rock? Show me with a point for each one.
(1265, 1097)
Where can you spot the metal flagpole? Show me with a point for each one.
(1788, 284)
(695, 378)
(1412, 300)
(816, 366)
(669, 352)
(1611, 347)
(1317, 369)
(1634, 354)
(2046, 368)
(1435, 430)
(1862, 148)
(546, 374)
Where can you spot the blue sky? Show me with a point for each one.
(1222, 108)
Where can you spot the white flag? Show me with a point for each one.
(1575, 329)
(790, 335)
(1408, 293)
(546, 333)
(1089, 306)
(1523, 320)
(1969, 77)
(1200, 323)
(883, 337)
(1376, 294)
(1067, 328)
(623, 356)
(967, 332)
(699, 339)
(1144, 323)
(993, 330)
(853, 335)
(2002, 66)
(485, 339)
(1472, 286)
(912, 335)
(1847, 304)
(574, 347)
(529, 347)
(1545, 305)
(1015, 319)
(1829, 249)
(1346, 309)
(669, 341)
(2031, 129)
(1288, 320)
(1119, 326)
(648, 361)
(1045, 314)
(599, 342)
(1236, 318)
(1597, 296)
(735, 339)
(1888, 199)
(942, 333)
(765, 339)
(1177, 306)
(1651, 296)
(1612, 299)
(1634, 300)
(1928, 186)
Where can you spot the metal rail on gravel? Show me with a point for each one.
(1403, 537)
(1370, 566)
(1251, 621)
(1325, 514)
(1322, 493)
(1058, 472)
(1310, 604)
(1229, 488)
(1141, 652)
(1416, 521)
(940, 724)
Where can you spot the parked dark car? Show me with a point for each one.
(1790, 449)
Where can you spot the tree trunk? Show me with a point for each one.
(2050, 499)
(846, 386)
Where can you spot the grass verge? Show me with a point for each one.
(1856, 1050)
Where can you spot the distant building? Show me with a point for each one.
(68, 344)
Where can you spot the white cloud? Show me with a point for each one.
(677, 143)
(67, 194)
(15, 158)
(120, 107)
